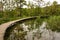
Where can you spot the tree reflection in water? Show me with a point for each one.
(26, 31)
(30, 30)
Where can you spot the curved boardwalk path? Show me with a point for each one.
(4, 26)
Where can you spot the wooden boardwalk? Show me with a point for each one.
(4, 26)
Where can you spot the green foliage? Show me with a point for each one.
(54, 23)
